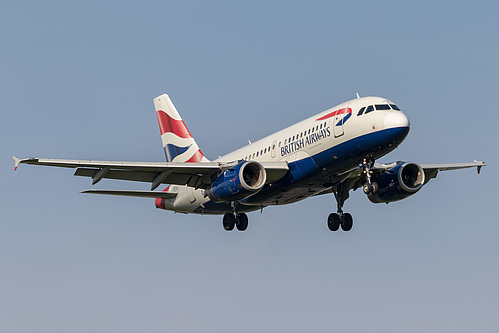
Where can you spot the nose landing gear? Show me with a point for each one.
(369, 186)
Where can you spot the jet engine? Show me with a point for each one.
(238, 182)
(398, 183)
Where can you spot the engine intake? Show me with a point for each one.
(238, 182)
(398, 183)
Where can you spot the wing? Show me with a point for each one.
(431, 170)
(354, 178)
(197, 175)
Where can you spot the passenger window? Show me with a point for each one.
(293, 138)
(256, 154)
(313, 129)
(361, 111)
(279, 144)
(321, 126)
(265, 151)
(253, 155)
(309, 131)
(382, 107)
(395, 107)
(286, 141)
(317, 128)
(324, 125)
(369, 109)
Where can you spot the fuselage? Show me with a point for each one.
(318, 150)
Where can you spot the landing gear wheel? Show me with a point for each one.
(333, 222)
(370, 188)
(242, 222)
(229, 221)
(346, 222)
(367, 188)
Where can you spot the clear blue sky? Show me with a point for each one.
(77, 81)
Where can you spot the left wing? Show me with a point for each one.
(197, 175)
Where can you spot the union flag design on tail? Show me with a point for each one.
(178, 142)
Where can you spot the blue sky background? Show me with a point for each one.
(77, 81)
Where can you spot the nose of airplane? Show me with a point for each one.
(396, 119)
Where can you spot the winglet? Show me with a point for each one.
(16, 162)
(479, 167)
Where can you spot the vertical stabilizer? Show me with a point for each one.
(178, 142)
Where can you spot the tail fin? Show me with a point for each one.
(177, 140)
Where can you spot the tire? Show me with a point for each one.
(346, 222)
(374, 188)
(242, 222)
(333, 222)
(229, 221)
(367, 188)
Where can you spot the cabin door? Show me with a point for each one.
(337, 124)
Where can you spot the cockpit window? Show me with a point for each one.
(382, 107)
(369, 109)
(361, 111)
(395, 107)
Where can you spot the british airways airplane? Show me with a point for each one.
(332, 152)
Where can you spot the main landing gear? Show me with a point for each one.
(238, 220)
(335, 220)
(340, 219)
(345, 220)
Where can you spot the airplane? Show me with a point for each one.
(332, 152)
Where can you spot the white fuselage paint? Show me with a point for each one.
(304, 143)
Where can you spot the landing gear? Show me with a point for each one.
(345, 220)
(238, 220)
(340, 219)
(369, 186)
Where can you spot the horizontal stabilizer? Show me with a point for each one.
(141, 194)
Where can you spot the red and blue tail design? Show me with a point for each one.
(178, 142)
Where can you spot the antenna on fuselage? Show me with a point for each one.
(357, 95)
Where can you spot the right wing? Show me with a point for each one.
(197, 175)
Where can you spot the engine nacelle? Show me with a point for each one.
(239, 182)
(398, 183)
